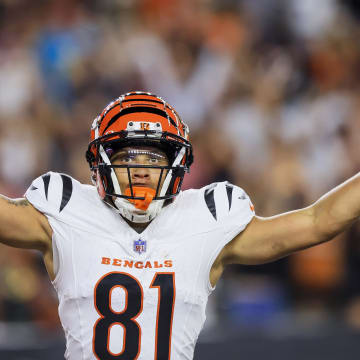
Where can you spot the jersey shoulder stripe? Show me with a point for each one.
(210, 200)
(52, 190)
(229, 191)
(46, 180)
(67, 190)
(223, 199)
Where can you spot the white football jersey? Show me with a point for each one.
(125, 295)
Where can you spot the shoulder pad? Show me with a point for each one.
(224, 199)
(51, 192)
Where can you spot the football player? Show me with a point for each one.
(133, 259)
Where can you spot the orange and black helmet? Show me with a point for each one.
(139, 118)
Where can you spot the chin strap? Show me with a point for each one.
(140, 191)
(130, 212)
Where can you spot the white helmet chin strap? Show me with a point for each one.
(126, 208)
(130, 212)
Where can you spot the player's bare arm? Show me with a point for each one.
(268, 239)
(22, 226)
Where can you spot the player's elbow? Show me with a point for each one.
(325, 225)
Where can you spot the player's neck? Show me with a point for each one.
(138, 227)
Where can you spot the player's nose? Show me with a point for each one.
(140, 173)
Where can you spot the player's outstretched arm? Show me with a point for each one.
(22, 226)
(267, 239)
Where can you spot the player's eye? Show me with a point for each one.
(153, 160)
(127, 158)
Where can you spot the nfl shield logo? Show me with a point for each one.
(139, 246)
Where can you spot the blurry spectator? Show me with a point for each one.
(67, 36)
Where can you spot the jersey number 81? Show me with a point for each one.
(165, 283)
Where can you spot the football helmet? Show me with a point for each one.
(138, 119)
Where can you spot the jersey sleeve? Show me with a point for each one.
(229, 210)
(50, 193)
(229, 207)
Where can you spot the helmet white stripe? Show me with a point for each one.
(112, 172)
(176, 162)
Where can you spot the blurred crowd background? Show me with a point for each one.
(270, 91)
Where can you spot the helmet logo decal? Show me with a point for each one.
(144, 126)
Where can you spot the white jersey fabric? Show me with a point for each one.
(124, 295)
